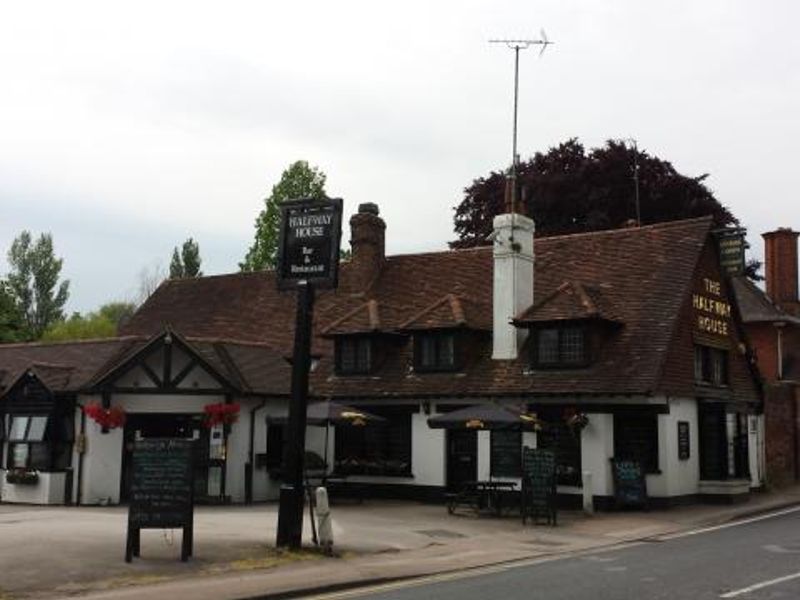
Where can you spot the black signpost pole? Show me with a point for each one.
(290, 515)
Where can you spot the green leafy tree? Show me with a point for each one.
(12, 323)
(299, 181)
(101, 323)
(33, 281)
(187, 262)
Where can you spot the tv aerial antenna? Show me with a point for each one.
(516, 45)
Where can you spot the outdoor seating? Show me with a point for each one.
(480, 496)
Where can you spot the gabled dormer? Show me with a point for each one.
(442, 333)
(567, 327)
(363, 337)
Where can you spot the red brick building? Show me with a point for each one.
(772, 325)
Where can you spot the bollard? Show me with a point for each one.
(588, 498)
(324, 524)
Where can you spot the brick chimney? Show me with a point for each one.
(368, 243)
(780, 251)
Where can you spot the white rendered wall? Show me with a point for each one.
(597, 449)
(102, 465)
(677, 477)
(512, 281)
(48, 490)
(756, 450)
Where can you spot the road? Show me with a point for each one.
(757, 559)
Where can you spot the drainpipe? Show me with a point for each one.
(82, 434)
(248, 468)
(779, 326)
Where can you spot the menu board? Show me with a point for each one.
(161, 494)
(684, 441)
(539, 483)
(630, 488)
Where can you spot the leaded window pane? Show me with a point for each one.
(571, 345)
(446, 351)
(19, 456)
(19, 425)
(548, 346)
(427, 349)
(37, 429)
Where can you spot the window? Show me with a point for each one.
(353, 355)
(506, 453)
(560, 347)
(276, 443)
(435, 351)
(376, 449)
(723, 443)
(567, 446)
(710, 365)
(636, 438)
(27, 447)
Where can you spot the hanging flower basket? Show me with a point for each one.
(107, 418)
(22, 477)
(575, 420)
(221, 414)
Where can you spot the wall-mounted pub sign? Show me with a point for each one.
(308, 250)
(732, 244)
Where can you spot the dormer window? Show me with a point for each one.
(560, 346)
(435, 351)
(353, 355)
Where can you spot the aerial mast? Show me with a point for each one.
(516, 45)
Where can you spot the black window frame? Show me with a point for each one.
(568, 448)
(382, 449)
(363, 364)
(440, 339)
(711, 366)
(562, 360)
(500, 467)
(48, 449)
(636, 438)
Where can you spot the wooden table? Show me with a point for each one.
(480, 496)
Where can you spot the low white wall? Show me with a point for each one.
(48, 490)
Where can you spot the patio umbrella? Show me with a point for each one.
(485, 416)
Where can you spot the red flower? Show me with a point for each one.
(109, 418)
(221, 413)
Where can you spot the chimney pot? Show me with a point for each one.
(368, 208)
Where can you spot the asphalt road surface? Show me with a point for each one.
(756, 559)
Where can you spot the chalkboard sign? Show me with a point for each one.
(162, 490)
(506, 453)
(630, 488)
(538, 484)
(684, 442)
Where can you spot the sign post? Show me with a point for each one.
(308, 258)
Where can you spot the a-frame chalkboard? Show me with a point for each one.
(630, 487)
(162, 491)
(538, 485)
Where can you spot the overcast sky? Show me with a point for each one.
(127, 127)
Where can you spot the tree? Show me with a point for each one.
(567, 190)
(299, 181)
(102, 323)
(33, 281)
(12, 322)
(149, 279)
(187, 263)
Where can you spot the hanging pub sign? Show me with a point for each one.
(308, 249)
(732, 245)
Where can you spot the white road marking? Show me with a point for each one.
(758, 586)
(764, 517)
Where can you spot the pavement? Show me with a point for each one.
(54, 552)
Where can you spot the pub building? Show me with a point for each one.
(626, 342)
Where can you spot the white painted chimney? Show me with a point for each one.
(513, 281)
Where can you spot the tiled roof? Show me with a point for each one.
(62, 366)
(754, 304)
(570, 301)
(451, 311)
(370, 317)
(639, 277)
